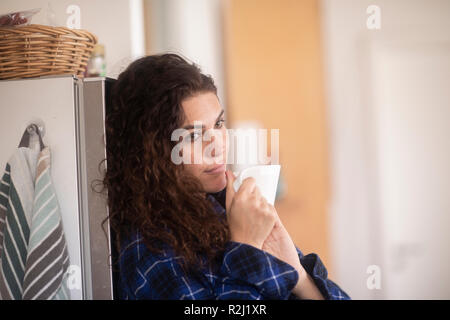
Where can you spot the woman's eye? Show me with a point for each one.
(220, 123)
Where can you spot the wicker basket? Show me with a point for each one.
(37, 50)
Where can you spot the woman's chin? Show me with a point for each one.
(215, 184)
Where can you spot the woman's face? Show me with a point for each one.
(208, 158)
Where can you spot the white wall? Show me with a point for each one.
(358, 205)
(411, 122)
(192, 29)
(118, 24)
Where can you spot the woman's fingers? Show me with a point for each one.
(250, 218)
(247, 186)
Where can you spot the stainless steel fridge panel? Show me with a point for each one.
(96, 235)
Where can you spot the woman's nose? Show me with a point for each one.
(218, 144)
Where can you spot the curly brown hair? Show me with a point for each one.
(147, 192)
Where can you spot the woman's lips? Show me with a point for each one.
(220, 168)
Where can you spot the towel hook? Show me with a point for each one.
(39, 123)
(31, 130)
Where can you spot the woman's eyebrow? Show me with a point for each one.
(220, 115)
(191, 126)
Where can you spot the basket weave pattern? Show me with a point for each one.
(37, 50)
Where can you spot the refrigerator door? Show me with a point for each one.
(53, 102)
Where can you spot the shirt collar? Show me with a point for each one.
(218, 201)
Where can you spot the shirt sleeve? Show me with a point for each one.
(316, 269)
(245, 273)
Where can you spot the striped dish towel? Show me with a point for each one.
(33, 249)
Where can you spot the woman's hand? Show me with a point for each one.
(249, 217)
(255, 222)
(280, 245)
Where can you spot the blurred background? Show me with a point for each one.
(360, 91)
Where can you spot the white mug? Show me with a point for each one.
(266, 178)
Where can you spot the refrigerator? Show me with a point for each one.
(70, 114)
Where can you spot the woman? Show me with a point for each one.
(181, 230)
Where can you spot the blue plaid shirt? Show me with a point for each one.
(246, 273)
